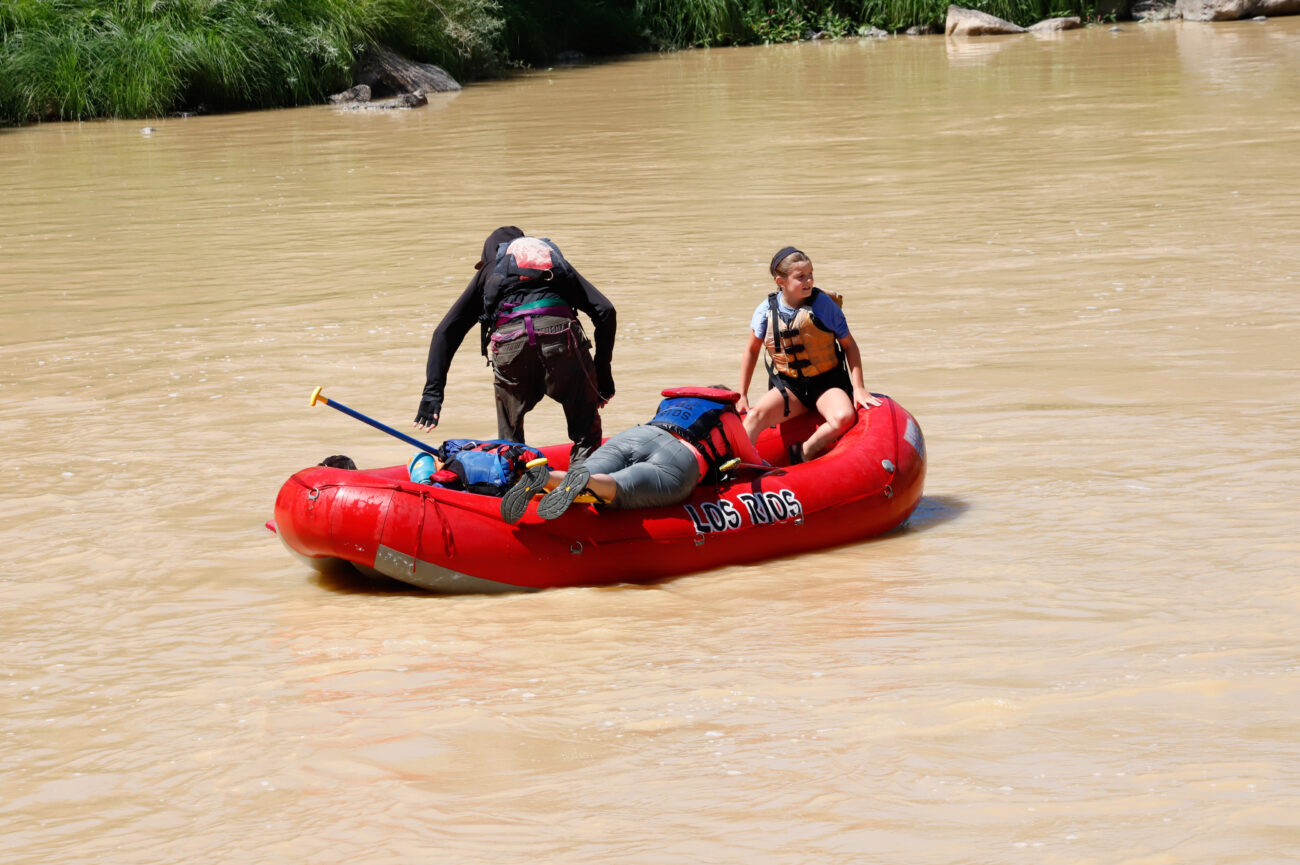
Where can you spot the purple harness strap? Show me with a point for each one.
(527, 316)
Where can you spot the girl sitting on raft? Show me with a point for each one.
(808, 341)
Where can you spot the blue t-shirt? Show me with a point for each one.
(827, 311)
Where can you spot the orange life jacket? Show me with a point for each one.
(802, 347)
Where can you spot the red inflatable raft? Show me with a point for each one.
(446, 541)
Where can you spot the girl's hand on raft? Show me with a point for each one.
(742, 404)
(863, 398)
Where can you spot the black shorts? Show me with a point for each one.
(809, 390)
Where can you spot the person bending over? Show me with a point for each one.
(526, 297)
(693, 435)
(814, 362)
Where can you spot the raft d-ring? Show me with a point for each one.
(575, 548)
(887, 465)
(699, 539)
(889, 491)
(798, 521)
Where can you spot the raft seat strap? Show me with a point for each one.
(419, 531)
(448, 541)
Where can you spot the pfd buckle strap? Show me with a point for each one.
(509, 312)
(531, 273)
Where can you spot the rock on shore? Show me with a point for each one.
(1053, 25)
(1229, 10)
(972, 22)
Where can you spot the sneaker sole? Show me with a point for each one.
(557, 501)
(515, 502)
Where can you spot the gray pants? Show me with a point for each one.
(651, 467)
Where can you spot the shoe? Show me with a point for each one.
(557, 501)
(515, 501)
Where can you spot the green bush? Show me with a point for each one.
(462, 36)
(673, 24)
(777, 25)
(77, 59)
(679, 23)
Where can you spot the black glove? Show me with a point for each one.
(430, 408)
(605, 384)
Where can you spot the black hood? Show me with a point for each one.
(501, 235)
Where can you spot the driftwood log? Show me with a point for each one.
(387, 73)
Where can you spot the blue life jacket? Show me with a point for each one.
(689, 417)
(698, 420)
(486, 467)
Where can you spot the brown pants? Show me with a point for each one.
(556, 362)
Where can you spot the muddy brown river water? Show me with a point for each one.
(1072, 258)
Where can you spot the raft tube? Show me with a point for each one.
(456, 542)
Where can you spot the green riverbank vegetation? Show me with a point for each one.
(82, 59)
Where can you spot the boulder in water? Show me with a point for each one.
(358, 93)
(1053, 25)
(972, 22)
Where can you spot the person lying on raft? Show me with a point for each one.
(814, 361)
(693, 435)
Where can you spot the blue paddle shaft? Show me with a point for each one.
(379, 426)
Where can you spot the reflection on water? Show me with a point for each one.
(1073, 259)
(963, 50)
